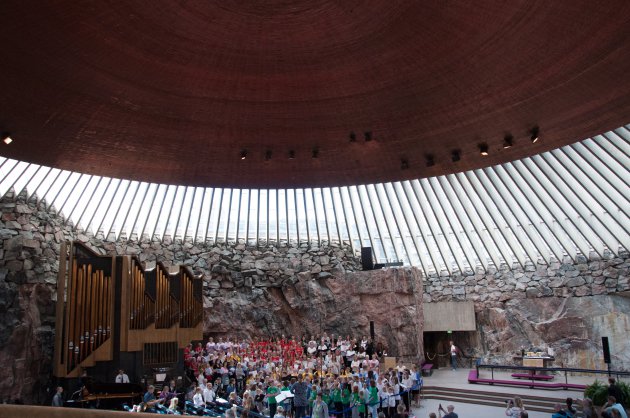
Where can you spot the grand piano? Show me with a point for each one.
(106, 395)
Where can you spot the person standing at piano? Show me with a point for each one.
(122, 377)
(57, 400)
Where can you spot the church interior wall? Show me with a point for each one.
(270, 290)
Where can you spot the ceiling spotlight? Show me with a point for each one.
(535, 131)
(508, 141)
(430, 160)
(291, 155)
(404, 164)
(353, 137)
(455, 155)
(268, 155)
(243, 154)
(483, 149)
(368, 136)
(6, 138)
(315, 152)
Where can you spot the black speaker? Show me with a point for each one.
(366, 258)
(606, 350)
(372, 330)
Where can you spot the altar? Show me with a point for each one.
(537, 361)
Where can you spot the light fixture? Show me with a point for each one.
(315, 152)
(368, 136)
(455, 155)
(353, 137)
(535, 132)
(404, 164)
(268, 155)
(430, 160)
(483, 149)
(6, 138)
(291, 155)
(243, 154)
(508, 141)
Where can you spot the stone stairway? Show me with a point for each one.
(487, 398)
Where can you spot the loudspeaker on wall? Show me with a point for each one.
(606, 350)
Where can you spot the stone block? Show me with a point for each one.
(575, 281)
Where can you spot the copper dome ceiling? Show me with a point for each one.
(178, 92)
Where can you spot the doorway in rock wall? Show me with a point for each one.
(437, 348)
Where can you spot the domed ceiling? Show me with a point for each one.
(301, 93)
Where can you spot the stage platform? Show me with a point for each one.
(489, 400)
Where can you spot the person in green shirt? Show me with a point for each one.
(272, 391)
(358, 402)
(373, 400)
(346, 397)
(311, 399)
(336, 398)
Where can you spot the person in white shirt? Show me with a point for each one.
(208, 394)
(198, 398)
(210, 346)
(121, 377)
(453, 356)
(350, 356)
(407, 384)
(396, 387)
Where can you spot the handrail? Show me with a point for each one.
(566, 370)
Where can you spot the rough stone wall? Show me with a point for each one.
(248, 291)
(566, 306)
(586, 277)
(283, 289)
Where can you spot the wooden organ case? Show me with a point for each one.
(113, 314)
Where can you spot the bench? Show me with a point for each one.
(474, 378)
(532, 376)
(427, 369)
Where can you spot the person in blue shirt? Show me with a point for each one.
(149, 398)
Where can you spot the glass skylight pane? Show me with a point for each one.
(193, 219)
(253, 215)
(151, 218)
(200, 232)
(232, 211)
(86, 201)
(131, 212)
(18, 178)
(115, 208)
(292, 221)
(167, 203)
(7, 174)
(320, 211)
(64, 193)
(282, 214)
(273, 215)
(243, 215)
(215, 202)
(183, 213)
(118, 226)
(301, 214)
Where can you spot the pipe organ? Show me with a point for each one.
(108, 306)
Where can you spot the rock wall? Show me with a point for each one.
(286, 289)
(248, 291)
(565, 306)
